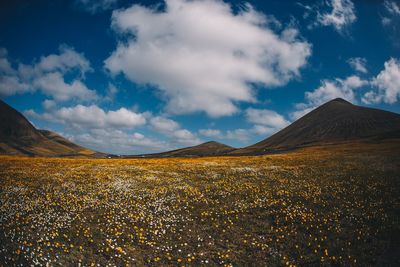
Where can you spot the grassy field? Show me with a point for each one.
(334, 207)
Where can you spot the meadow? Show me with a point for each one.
(336, 206)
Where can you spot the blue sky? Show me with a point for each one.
(133, 77)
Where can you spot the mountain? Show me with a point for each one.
(211, 148)
(336, 121)
(19, 137)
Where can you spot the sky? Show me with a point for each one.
(133, 77)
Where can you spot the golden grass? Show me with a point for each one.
(86, 152)
(319, 206)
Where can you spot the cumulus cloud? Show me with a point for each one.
(263, 130)
(48, 76)
(241, 135)
(91, 125)
(53, 84)
(210, 133)
(342, 15)
(333, 89)
(88, 117)
(358, 64)
(266, 117)
(245, 135)
(65, 61)
(265, 122)
(106, 131)
(173, 131)
(119, 142)
(162, 124)
(96, 6)
(386, 83)
(184, 136)
(329, 89)
(10, 85)
(49, 104)
(5, 66)
(202, 56)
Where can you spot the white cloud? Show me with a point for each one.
(104, 131)
(53, 84)
(241, 135)
(266, 122)
(10, 85)
(162, 124)
(210, 132)
(47, 76)
(393, 14)
(184, 136)
(95, 6)
(30, 113)
(125, 118)
(173, 131)
(266, 117)
(49, 104)
(9, 82)
(358, 64)
(5, 66)
(65, 61)
(340, 17)
(329, 89)
(334, 89)
(202, 56)
(387, 84)
(93, 117)
(392, 7)
(264, 130)
(119, 142)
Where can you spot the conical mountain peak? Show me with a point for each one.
(340, 100)
(333, 122)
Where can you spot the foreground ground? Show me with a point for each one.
(336, 206)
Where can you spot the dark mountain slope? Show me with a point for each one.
(15, 127)
(19, 137)
(334, 122)
(61, 140)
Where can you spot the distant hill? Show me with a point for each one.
(336, 121)
(211, 148)
(19, 137)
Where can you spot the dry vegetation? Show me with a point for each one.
(314, 207)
